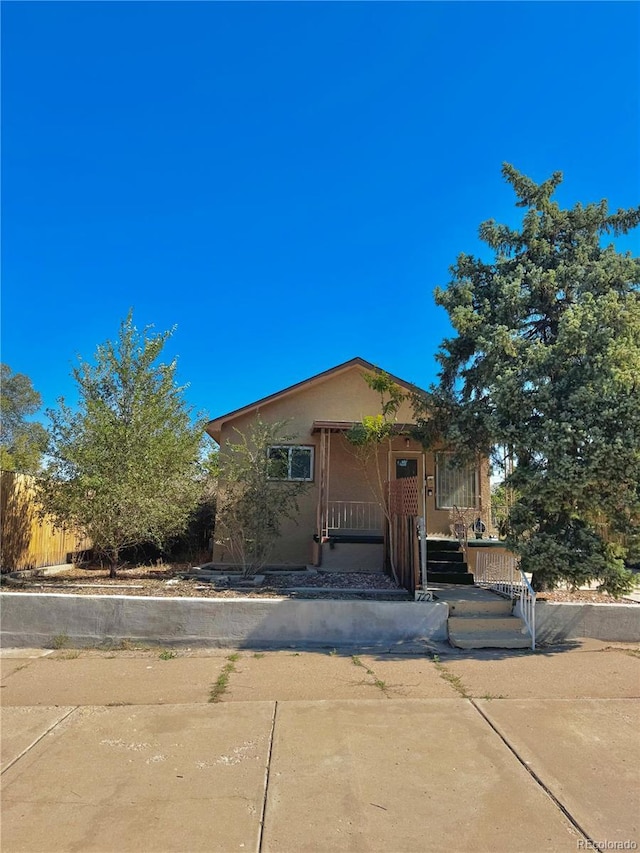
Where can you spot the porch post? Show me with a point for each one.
(327, 479)
(423, 534)
(321, 492)
(423, 594)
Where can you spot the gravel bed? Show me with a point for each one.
(165, 582)
(582, 596)
(192, 590)
(327, 580)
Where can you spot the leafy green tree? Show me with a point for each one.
(124, 465)
(373, 434)
(255, 495)
(195, 543)
(22, 442)
(546, 360)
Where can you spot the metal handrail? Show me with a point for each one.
(502, 573)
(526, 606)
(353, 515)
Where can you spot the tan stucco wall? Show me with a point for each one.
(341, 397)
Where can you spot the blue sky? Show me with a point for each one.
(286, 183)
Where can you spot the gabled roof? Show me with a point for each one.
(214, 426)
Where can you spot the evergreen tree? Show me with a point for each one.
(546, 360)
(124, 466)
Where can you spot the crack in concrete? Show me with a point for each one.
(26, 664)
(565, 811)
(38, 739)
(263, 812)
(454, 681)
(377, 682)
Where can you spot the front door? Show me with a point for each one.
(405, 465)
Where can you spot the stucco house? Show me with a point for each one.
(341, 523)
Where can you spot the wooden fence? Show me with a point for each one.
(402, 542)
(29, 542)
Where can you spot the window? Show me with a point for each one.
(291, 463)
(454, 486)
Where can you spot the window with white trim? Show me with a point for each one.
(291, 462)
(455, 486)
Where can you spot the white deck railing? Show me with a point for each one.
(502, 573)
(353, 515)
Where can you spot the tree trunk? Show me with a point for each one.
(113, 562)
(392, 558)
(539, 582)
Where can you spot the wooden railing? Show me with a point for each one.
(402, 544)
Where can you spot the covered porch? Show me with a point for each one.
(353, 494)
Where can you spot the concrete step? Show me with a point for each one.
(450, 577)
(445, 566)
(443, 544)
(446, 556)
(498, 607)
(358, 538)
(489, 640)
(480, 624)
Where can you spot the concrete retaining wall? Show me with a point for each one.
(35, 619)
(556, 622)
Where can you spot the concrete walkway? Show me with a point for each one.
(309, 751)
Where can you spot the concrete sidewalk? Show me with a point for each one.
(320, 751)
